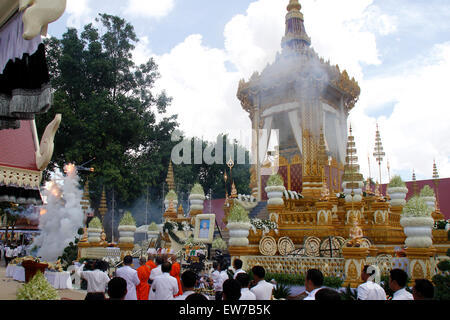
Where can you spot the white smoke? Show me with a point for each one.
(64, 216)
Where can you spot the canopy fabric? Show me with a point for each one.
(264, 137)
(296, 128)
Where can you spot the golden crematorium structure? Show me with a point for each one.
(334, 223)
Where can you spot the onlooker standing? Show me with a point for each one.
(164, 287)
(9, 254)
(263, 290)
(370, 290)
(423, 290)
(327, 294)
(157, 271)
(244, 280)
(237, 265)
(130, 275)
(97, 280)
(397, 282)
(231, 290)
(221, 278)
(117, 289)
(313, 283)
(188, 280)
(2, 247)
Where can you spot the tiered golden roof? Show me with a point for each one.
(351, 168)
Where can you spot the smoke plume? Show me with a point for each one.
(64, 215)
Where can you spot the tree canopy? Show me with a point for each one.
(110, 110)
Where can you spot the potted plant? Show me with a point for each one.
(94, 230)
(153, 231)
(417, 223)
(239, 226)
(275, 189)
(428, 195)
(127, 227)
(171, 196)
(197, 197)
(397, 191)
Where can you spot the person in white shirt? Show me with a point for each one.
(9, 254)
(97, 280)
(370, 289)
(164, 287)
(221, 278)
(156, 271)
(262, 290)
(397, 282)
(313, 283)
(237, 265)
(244, 280)
(2, 247)
(15, 252)
(231, 290)
(130, 276)
(215, 272)
(188, 281)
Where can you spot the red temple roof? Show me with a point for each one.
(17, 147)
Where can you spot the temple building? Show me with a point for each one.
(302, 96)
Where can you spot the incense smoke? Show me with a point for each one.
(64, 215)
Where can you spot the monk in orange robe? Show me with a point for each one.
(150, 262)
(175, 272)
(143, 272)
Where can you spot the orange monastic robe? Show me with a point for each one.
(143, 288)
(175, 272)
(151, 264)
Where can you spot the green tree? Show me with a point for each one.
(109, 109)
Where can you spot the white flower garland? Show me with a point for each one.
(265, 225)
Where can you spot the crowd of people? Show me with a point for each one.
(11, 250)
(159, 278)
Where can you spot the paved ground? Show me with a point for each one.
(8, 288)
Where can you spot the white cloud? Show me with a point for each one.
(149, 8)
(417, 130)
(79, 13)
(204, 91)
(142, 52)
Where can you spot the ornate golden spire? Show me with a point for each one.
(295, 37)
(103, 207)
(85, 200)
(323, 156)
(415, 186)
(351, 169)
(170, 177)
(294, 5)
(436, 183)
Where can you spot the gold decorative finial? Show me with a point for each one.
(103, 207)
(233, 191)
(294, 5)
(170, 177)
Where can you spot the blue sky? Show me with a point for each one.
(398, 50)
